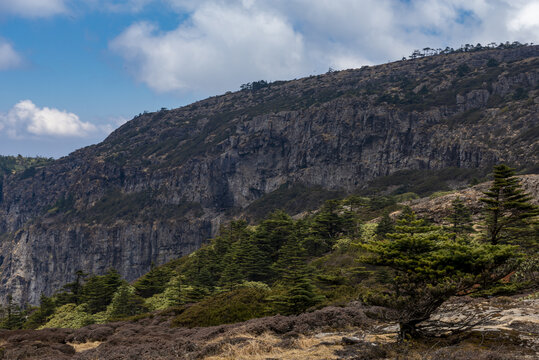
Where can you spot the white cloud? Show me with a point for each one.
(33, 8)
(224, 43)
(526, 18)
(219, 46)
(9, 58)
(25, 119)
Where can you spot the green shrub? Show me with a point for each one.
(234, 306)
(70, 316)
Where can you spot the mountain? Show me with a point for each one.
(161, 184)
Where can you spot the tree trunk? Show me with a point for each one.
(408, 330)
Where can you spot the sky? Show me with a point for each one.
(72, 71)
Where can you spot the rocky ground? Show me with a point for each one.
(501, 328)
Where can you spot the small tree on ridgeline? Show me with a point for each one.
(507, 209)
(430, 265)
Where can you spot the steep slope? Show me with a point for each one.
(163, 182)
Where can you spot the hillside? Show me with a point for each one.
(201, 306)
(163, 183)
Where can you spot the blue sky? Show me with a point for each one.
(72, 71)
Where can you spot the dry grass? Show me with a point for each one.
(80, 347)
(268, 346)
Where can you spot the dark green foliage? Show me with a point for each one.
(125, 303)
(463, 69)
(460, 218)
(429, 266)
(12, 316)
(73, 293)
(386, 225)
(98, 290)
(492, 62)
(237, 305)
(299, 293)
(63, 204)
(507, 208)
(323, 229)
(40, 315)
(145, 205)
(290, 198)
(255, 85)
(423, 182)
(154, 282)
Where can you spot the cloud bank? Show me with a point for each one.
(224, 43)
(26, 119)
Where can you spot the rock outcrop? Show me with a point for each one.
(161, 184)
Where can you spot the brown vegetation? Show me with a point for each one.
(511, 334)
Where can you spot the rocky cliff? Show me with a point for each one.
(160, 185)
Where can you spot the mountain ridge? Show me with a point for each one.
(170, 178)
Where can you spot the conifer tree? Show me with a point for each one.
(74, 290)
(174, 291)
(326, 226)
(507, 208)
(125, 303)
(40, 316)
(385, 226)
(98, 291)
(154, 282)
(13, 316)
(238, 261)
(299, 293)
(461, 217)
(429, 266)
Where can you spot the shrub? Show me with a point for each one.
(69, 316)
(234, 306)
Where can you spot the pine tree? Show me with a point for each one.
(385, 226)
(238, 261)
(429, 266)
(98, 291)
(13, 316)
(461, 217)
(174, 291)
(40, 316)
(507, 208)
(325, 227)
(125, 303)
(74, 290)
(154, 282)
(299, 293)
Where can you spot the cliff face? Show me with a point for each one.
(162, 183)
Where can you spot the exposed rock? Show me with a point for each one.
(351, 340)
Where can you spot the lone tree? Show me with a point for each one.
(430, 265)
(507, 208)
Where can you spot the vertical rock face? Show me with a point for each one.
(161, 184)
